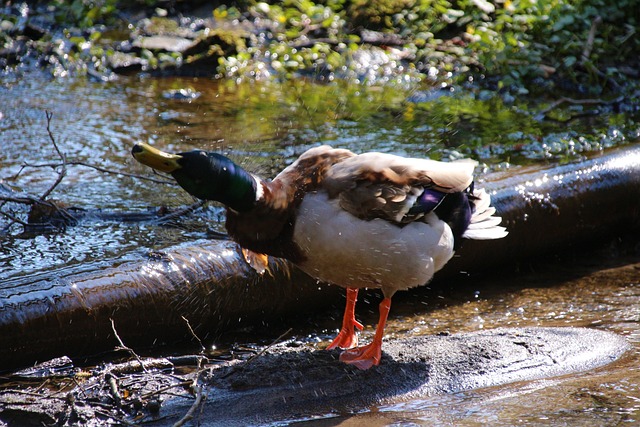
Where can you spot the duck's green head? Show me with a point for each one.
(203, 174)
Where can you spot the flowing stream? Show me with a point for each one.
(264, 126)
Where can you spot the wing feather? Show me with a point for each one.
(381, 167)
(379, 185)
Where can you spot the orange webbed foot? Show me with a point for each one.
(363, 357)
(347, 337)
(369, 355)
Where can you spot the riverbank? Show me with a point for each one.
(286, 384)
(585, 50)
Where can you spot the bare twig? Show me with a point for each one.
(61, 168)
(49, 115)
(113, 417)
(14, 177)
(124, 347)
(181, 212)
(79, 386)
(14, 219)
(131, 175)
(62, 171)
(113, 389)
(192, 410)
(25, 200)
(588, 46)
(237, 368)
(202, 347)
(200, 396)
(134, 365)
(274, 342)
(163, 389)
(89, 165)
(555, 104)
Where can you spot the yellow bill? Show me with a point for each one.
(156, 159)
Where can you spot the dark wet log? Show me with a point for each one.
(209, 283)
(67, 311)
(287, 384)
(550, 209)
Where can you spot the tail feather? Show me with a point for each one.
(484, 226)
(482, 216)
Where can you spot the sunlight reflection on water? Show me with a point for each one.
(265, 128)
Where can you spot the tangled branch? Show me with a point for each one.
(45, 213)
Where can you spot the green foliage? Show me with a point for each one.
(525, 39)
(85, 13)
(517, 40)
(588, 46)
(595, 62)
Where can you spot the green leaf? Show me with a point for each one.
(569, 61)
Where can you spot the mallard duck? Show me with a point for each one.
(371, 220)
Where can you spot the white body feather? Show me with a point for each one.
(345, 251)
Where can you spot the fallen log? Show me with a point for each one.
(208, 283)
(549, 209)
(68, 311)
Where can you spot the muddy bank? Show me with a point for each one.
(285, 383)
(68, 311)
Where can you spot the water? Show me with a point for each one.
(598, 290)
(601, 292)
(264, 127)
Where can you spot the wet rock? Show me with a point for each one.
(34, 32)
(378, 38)
(33, 411)
(286, 384)
(6, 26)
(225, 44)
(163, 43)
(181, 94)
(124, 63)
(13, 53)
(161, 25)
(105, 396)
(202, 57)
(58, 367)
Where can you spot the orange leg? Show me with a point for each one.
(347, 337)
(369, 355)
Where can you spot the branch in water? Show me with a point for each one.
(62, 171)
(42, 204)
(98, 168)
